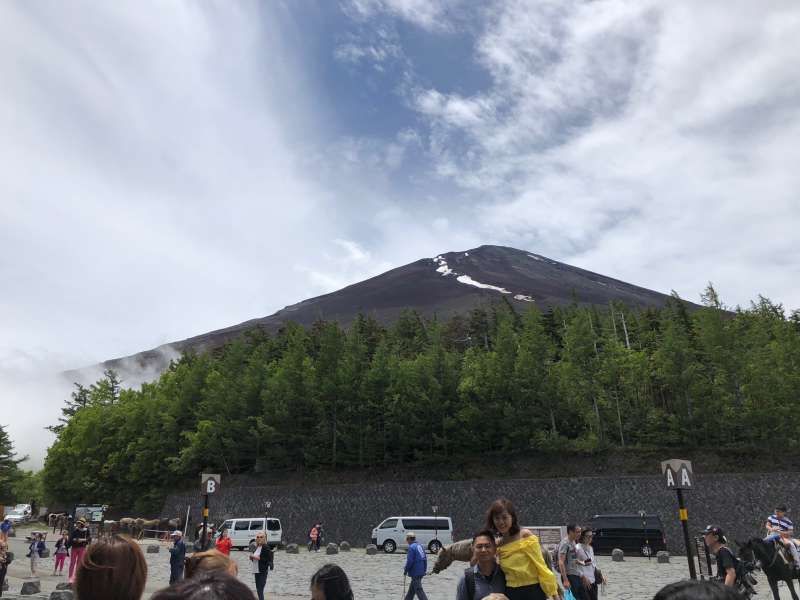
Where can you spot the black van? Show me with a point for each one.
(631, 533)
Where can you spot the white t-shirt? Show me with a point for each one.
(254, 562)
(586, 553)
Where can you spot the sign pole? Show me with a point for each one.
(209, 483)
(205, 521)
(684, 517)
(679, 477)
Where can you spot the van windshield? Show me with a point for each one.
(389, 524)
(273, 525)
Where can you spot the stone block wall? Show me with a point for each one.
(739, 503)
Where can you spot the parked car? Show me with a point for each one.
(432, 533)
(631, 533)
(17, 516)
(242, 531)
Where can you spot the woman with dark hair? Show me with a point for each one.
(697, 590)
(527, 575)
(330, 583)
(211, 586)
(112, 568)
(587, 565)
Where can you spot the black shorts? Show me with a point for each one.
(526, 592)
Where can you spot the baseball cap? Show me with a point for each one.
(713, 529)
(177, 532)
(411, 535)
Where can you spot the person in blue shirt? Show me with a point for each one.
(177, 555)
(416, 567)
(485, 577)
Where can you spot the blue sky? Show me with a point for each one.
(168, 169)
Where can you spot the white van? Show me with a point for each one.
(243, 531)
(432, 532)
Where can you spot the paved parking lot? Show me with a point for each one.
(381, 576)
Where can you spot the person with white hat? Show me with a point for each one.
(416, 566)
(177, 554)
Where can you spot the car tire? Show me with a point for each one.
(435, 546)
(646, 550)
(389, 546)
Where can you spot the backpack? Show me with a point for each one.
(469, 582)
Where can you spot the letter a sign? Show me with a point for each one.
(678, 474)
(210, 482)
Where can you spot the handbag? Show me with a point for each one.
(568, 595)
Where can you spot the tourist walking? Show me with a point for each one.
(35, 551)
(177, 556)
(203, 544)
(4, 562)
(313, 536)
(224, 543)
(591, 577)
(79, 540)
(61, 553)
(520, 554)
(485, 577)
(330, 583)
(416, 567)
(568, 563)
(320, 536)
(261, 561)
(714, 538)
(113, 568)
(5, 527)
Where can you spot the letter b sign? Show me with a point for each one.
(210, 483)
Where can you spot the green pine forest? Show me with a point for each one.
(493, 382)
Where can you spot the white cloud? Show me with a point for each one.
(649, 141)
(428, 14)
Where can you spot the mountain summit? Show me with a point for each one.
(447, 284)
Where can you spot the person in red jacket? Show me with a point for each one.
(224, 543)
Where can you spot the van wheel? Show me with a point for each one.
(389, 546)
(435, 546)
(645, 550)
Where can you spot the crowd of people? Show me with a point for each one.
(507, 563)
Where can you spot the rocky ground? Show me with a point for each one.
(379, 576)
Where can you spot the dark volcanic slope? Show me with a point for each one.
(451, 283)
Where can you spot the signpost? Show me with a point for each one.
(643, 516)
(435, 523)
(209, 484)
(678, 476)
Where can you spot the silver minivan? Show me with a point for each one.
(432, 532)
(243, 531)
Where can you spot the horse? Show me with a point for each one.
(773, 563)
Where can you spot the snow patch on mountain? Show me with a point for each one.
(467, 280)
(443, 268)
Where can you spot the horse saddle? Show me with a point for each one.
(784, 552)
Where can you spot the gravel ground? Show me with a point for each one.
(379, 576)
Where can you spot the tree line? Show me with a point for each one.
(498, 381)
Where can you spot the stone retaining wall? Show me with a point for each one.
(739, 503)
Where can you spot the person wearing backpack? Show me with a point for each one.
(726, 561)
(485, 577)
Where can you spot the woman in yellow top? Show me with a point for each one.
(527, 575)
